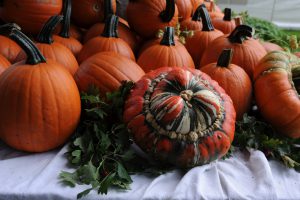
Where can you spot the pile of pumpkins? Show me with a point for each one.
(187, 97)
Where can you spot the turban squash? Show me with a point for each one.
(180, 116)
(39, 100)
(277, 89)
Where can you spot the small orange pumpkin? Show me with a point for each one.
(106, 71)
(165, 54)
(9, 49)
(186, 8)
(225, 24)
(108, 41)
(64, 35)
(233, 79)
(269, 46)
(192, 23)
(51, 49)
(39, 101)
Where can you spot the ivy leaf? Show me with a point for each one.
(122, 173)
(68, 178)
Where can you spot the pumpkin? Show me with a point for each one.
(166, 53)
(247, 51)
(192, 23)
(276, 79)
(64, 36)
(51, 49)
(233, 79)
(30, 14)
(9, 49)
(180, 116)
(186, 8)
(269, 46)
(213, 9)
(106, 71)
(108, 41)
(39, 101)
(123, 30)
(74, 31)
(225, 24)
(85, 13)
(197, 44)
(4, 64)
(146, 17)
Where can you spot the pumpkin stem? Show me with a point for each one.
(108, 10)
(169, 12)
(45, 36)
(225, 58)
(67, 9)
(197, 14)
(111, 27)
(206, 21)
(168, 37)
(238, 20)
(13, 31)
(240, 33)
(227, 14)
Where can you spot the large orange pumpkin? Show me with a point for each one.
(39, 101)
(180, 116)
(64, 35)
(106, 71)
(233, 79)
(197, 44)
(167, 53)
(146, 17)
(51, 49)
(108, 41)
(31, 15)
(85, 13)
(276, 80)
(247, 51)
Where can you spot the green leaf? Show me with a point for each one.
(122, 173)
(76, 156)
(84, 193)
(106, 183)
(68, 178)
(88, 173)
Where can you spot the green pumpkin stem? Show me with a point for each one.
(227, 14)
(168, 37)
(108, 10)
(240, 33)
(13, 31)
(67, 9)
(206, 21)
(197, 15)
(111, 27)
(168, 14)
(225, 58)
(45, 36)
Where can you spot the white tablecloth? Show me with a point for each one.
(243, 176)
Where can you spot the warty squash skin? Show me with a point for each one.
(39, 101)
(180, 116)
(276, 78)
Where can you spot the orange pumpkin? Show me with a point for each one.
(233, 79)
(214, 10)
(31, 15)
(106, 71)
(192, 23)
(165, 54)
(4, 64)
(39, 101)
(269, 46)
(197, 44)
(64, 36)
(247, 51)
(9, 49)
(225, 24)
(85, 13)
(186, 8)
(107, 41)
(146, 17)
(123, 30)
(276, 80)
(51, 49)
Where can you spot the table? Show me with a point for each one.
(243, 176)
